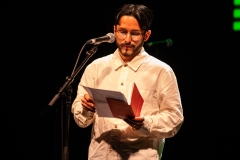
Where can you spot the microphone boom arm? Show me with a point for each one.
(70, 79)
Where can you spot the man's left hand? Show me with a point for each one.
(135, 122)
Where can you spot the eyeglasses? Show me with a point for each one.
(135, 35)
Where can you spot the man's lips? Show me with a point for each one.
(127, 46)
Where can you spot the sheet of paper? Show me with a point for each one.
(101, 94)
(110, 103)
(101, 104)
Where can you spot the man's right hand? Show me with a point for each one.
(88, 103)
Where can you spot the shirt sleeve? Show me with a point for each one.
(81, 117)
(167, 122)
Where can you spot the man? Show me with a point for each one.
(161, 115)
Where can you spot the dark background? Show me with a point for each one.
(41, 42)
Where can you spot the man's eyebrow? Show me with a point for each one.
(134, 30)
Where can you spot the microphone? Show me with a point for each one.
(167, 42)
(110, 38)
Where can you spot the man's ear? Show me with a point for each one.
(147, 35)
(114, 28)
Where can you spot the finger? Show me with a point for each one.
(90, 104)
(139, 118)
(134, 121)
(87, 105)
(133, 125)
(88, 98)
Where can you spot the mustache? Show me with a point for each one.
(127, 45)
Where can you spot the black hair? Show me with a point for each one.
(142, 13)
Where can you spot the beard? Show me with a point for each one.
(129, 50)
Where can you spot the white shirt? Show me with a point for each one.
(112, 138)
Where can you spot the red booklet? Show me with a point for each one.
(119, 108)
(122, 109)
(114, 104)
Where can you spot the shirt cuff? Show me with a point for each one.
(87, 114)
(145, 129)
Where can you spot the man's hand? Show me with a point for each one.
(135, 122)
(88, 103)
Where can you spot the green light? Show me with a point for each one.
(236, 2)
(236, 26)
(236, 13)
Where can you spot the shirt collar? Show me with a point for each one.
(135, 63)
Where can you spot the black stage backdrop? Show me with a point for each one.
(41, 42)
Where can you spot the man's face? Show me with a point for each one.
(129, 37)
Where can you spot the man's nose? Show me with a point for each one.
(128, 37)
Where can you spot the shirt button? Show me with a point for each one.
(125, 65)
(122, 84)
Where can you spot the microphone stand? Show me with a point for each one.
(66, 90)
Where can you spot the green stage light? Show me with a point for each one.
(236, 2)
(236, 13)
(236, 26)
